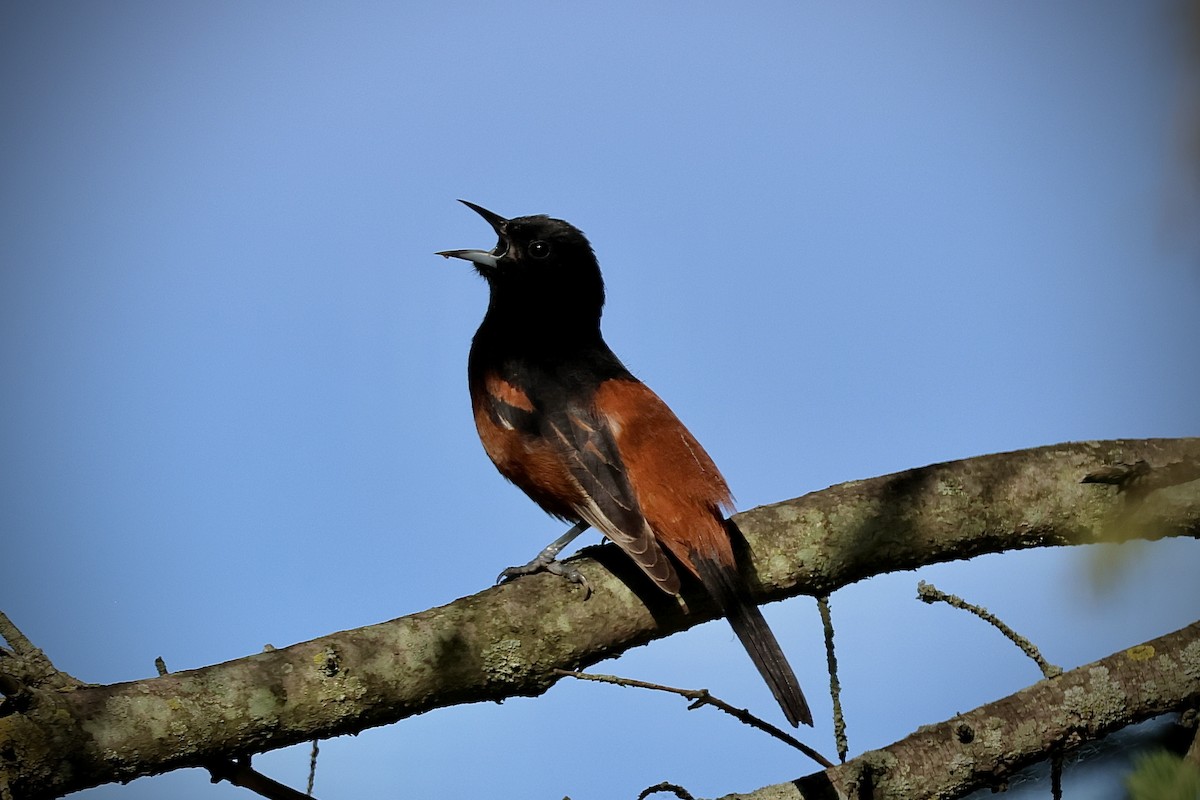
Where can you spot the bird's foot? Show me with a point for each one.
(546, 562)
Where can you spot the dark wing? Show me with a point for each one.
(508, 405)
(511, 430)
(609, 505)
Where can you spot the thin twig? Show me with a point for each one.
(34, 667)
(931, 594)
(20, 644)
(312, 767)
(702, 697)
(240, 773)
(835, 686)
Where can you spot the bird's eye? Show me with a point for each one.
(539, 249)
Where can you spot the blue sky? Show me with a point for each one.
(839, 239)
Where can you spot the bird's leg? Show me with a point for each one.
(547, 561)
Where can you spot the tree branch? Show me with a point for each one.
(508, 640)
(983, 747)
(703, 697)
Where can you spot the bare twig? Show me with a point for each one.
(835, 686)
(702, 697)
(240, 773)
(312, 767)
(20, 644)
(931, 594)
(27, 664)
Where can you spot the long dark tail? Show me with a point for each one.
(729, 590)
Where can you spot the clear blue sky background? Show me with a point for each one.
(840, 240)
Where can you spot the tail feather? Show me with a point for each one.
(727, 587)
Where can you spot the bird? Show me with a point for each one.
(561, 417)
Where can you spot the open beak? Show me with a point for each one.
(484, 258)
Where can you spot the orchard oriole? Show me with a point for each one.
(563, 419)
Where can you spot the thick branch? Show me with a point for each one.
(983, 747)
(508, 640)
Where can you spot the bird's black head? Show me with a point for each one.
(540, 269)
